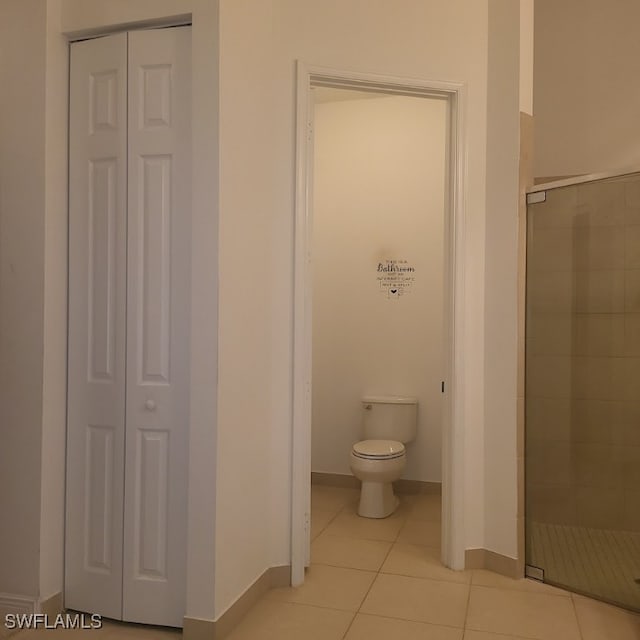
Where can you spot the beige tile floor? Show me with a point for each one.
(375, 579)
(109, 631)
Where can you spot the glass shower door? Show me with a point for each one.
(582, 402)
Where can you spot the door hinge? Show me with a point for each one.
(536, 197)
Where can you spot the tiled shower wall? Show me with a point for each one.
(583, 356)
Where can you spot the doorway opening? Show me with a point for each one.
(378, 288)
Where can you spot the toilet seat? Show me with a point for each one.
(378, 449)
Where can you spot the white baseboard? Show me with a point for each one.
(492, 561)
(12, 605)
(196, 629)
(401, 486)
(52, 606)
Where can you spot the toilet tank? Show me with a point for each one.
(390, 418)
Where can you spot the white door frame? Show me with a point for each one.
(453, 415)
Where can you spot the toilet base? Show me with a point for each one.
(377, 500)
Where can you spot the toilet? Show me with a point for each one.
(389, 423)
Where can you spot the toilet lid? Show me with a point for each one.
(378, 449)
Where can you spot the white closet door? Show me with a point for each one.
(129, 301)
(97, 325)
(159, 266)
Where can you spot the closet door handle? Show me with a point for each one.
(150, 405)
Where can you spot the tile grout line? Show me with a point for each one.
(423, 622)
(333, 517)
(577, 617)
(378, 573)
(534, 592)
(393, 543)
(353, 619)
(355, 613)
(466, 611)
(315, 606)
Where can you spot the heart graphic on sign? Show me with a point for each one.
(394, 291)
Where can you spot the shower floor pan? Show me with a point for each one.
(601, 563)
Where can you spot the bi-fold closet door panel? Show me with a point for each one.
(129, 300)
(159, 264)
(97, 325)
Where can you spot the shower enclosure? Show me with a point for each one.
(582, 404)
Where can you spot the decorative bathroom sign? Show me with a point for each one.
(395, 277)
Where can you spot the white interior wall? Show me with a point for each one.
(249, 369)
(526, 55)
(33, 284)
(439, 40)
(501, 271)
(587, 98)
(411, 39)
(379, 195)
(54, 406)
(83, 16)
(22, 206)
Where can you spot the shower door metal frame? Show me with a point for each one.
(535, 195)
